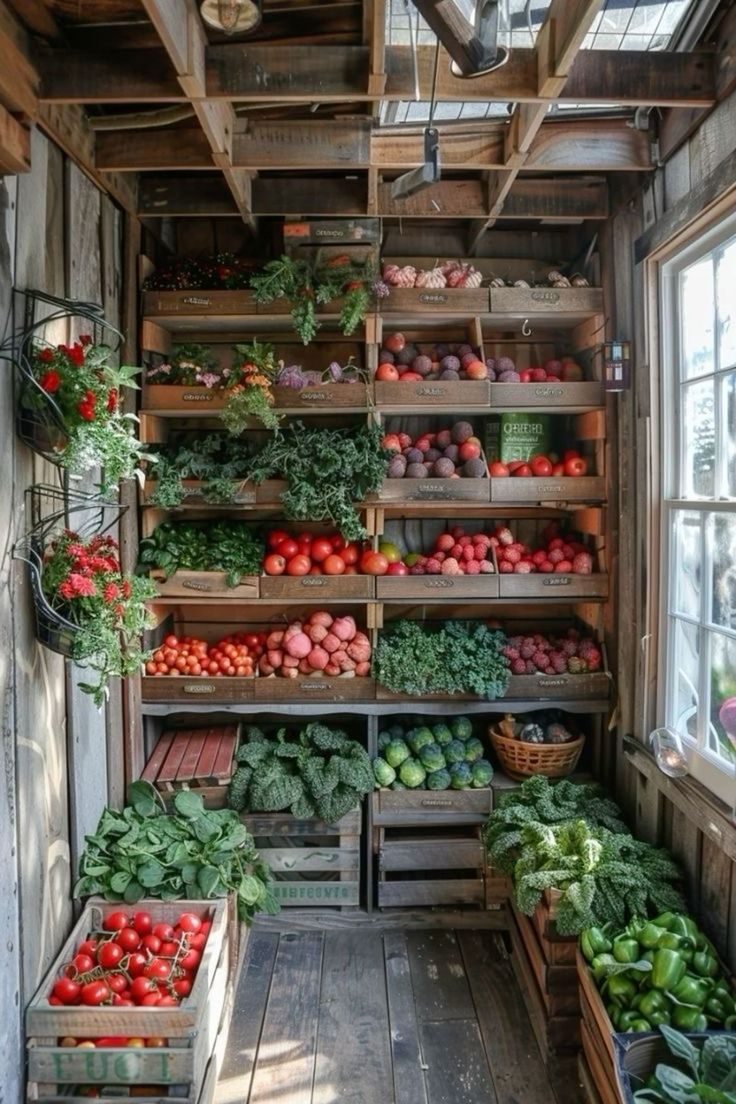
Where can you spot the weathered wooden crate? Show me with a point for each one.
(557, 981)
(317, 588)
(559, 1031)
(546, 300)
(205, 584)
(433, 588)
(437, 490)
(440, 301)
(174, 398)
(453, 394)
(190, 1029)
(335, 231)
(418, 808)
(556, 586)
(318, 688)
(337, 855)
(200, 759)
(606, 1091)
(519, 396)
(331, 396)
(198, 304)
(169, 688)
(584, 488)
(585, 687)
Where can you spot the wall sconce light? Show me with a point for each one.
(617, 365)
(232, 16)
(668, 752)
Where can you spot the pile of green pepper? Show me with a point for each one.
(661, 971)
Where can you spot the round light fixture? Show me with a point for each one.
(231, 16)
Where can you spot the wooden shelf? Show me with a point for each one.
(375, 708)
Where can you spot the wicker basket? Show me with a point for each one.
(520, 760)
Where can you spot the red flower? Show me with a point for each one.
(85, 339)
(77, 586)
(119, 610)
(111, 592)
(75, 353)
(50, 381)
(112, 401)
(86, 411)
(46, 355)
(126, 588)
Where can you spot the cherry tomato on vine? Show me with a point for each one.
(115, 921)
(81, 964)
(142, 922)
(128, 939)
(196, 941)
(169, 949)
(167, 1002)
(190, 961)
(88, 947)
(189, 922)
(136, 964)
(152, 943)
(182, 987)
(163, 931)
(110, 955)
(95, 992)
(67, 991)
(117, 983)
(141, 987)
(157, 968)
(150, 1000)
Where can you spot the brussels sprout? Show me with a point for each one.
(454, 752)
(419, 738)
(412, 773)
(397, 785)
(382, 772)
(473, 750)
(461, 727)
(482, 772)
(442, 734)
(461, 776)
(431, 757)
(438, 780)
(395, 753)
(384, 739)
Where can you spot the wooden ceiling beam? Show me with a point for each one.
(304, 145)
(454, 31)
(186, 197)
(15, 144)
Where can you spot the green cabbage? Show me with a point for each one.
(439, 780)
(455, 752)
(431, 757)
(384, 739)
(462, 728)
(442, 734)
(461, 776)
(419, 738)
(383, 773)
(473, 750)
(482, 773)
(395, 753)
(412, 773)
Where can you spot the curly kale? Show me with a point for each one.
(461, 657)
(238, 788)
(539, 801)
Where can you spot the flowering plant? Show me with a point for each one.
(82, 581)
(86, 389)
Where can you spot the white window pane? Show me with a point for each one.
(686, 560)
(697, 310)
(728, 436)
(682, 699)
(724, 572)
(722, 736)
(698, 440)
(726, 290)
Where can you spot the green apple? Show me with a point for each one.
(390, 551)
(412, 558)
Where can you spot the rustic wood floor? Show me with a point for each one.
(355, 1016)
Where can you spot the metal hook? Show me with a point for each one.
(526, 328)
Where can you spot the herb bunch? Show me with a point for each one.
(458, 657)
(229, 546)
(307, 288)
(216, 460)
(191, 853)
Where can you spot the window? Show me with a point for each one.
(698, 419)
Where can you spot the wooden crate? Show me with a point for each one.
(318, 688)
(586, 687)
(559, 587)
(330, 396)
(169, 688)
(338, 853)
(599, 1069)
(174, 398)
(158, 304)
(544, 300)
(557, 982)
(584, 488)
(417, 808)
(433, 588)
(520, 396)
(245, 494)
(206, 584)
(317, 588)
(440, 301)
(455, 394)
(198, 758)
(558, 1032)
(437, 490)
(334, 231)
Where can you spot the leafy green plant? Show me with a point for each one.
(319, 772)
(192, 853)
(229, 546)
(458, 657)
(188, 366)
(702, 1073)
(218, 461)
(326, 470)
(307, 288)
(602, 876)
(539, 801)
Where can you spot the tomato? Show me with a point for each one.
(498, 470)
(118, 983)
(298, 565)
(522, 470)
(128, 939)
(321, 549)
(206, 925)
(122, 1002)
(164, 931)
(141, 987)
(95, 992)
(373, 563)
(338, 542)
(110, 955)
(570, 454)
(150, 1000)
(155, 1041)
(541, 466)
(152, 943)
(171, 641)
(169, 949)
(80, 964)
(136, 1041)
(276, 536)
(350, 553)
(191, 960)
(111, 1041)
(274, 564)
(558, 469)
(55, 1001)
(88, 947)
(575, 466)
(189, 922)
(157, 968)
(116, 921)
(334, 565)
(287, 548)
(167, 1001)
(136, 964)
(182, 987)
(197, 940)
(67, 991)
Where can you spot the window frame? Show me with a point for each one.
(704, 765)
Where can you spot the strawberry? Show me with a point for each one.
(433, 566)
(518, 667)
(472, 567)
(523, 567)
(582, 563)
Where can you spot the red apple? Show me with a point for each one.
(575, 466)
(539, 375)
(541, 466)
(525, 375)
(468, 450)
(498, 470)
(397, 569)
(387, 372)
(395, 342)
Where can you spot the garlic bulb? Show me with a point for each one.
(473, 278)
(399, 277)
(430, 278)
(520, 284)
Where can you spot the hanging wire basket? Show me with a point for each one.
(40, 422)
(50, 511)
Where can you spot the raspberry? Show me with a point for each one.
(564, 567)
(451, 567)
(569, 551)
(472, 567)
(486, 568)
(482, 538)
(465, 541)
(539, 660)
(575, 666)
(526, 651)
(506, 568)
(468, 553)
(530, 668)
(511, 653)
(456, 551)
(444, 542)
(560, 665)
(505, 536)
(440, 557)
(512, 556)
(480, 552)
(546, 567)
(556, 555)
(582, 563)
(523, 568)
(433, 566)
(518, 667)
(417, 569)
(539, 557)
(569, 647)
(556, 542)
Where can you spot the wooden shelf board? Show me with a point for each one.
(374, 708)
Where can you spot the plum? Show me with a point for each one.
(386, 357)
(422, 365)
(450, 363)
(474, 469)
(451, 453)
(397, 467)
(461, 431)
(416, 471)
(443, 468)
(449, 374)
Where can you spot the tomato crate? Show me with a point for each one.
(200, 759)
(583, 488)
(168, 688)
(190, 1030)
(435, 588)
(314, 864)
(204, 584)
(317, 588)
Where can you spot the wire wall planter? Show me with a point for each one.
(50, 511)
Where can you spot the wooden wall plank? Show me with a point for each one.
(716, 870)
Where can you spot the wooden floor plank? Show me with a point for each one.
(249, 1010)
(409, 1082)
(288, 1047)
(353, 1040)
(518, 1072)
(441, 989)
(457, 1069)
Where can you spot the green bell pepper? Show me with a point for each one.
(705, 965)
(601, 964)
(593, 941)
(717, 1010)
(626, 949)
(691, 990)
(627, 1020)
(685, 926)
(688, 1019)
(668, 967)
(648, 935)
(675, 942)
(641, 1025)
(658, 1018)
(651, 1002)
(614, 1012)
(621, 990)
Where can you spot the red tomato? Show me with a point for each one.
(117, 983)
(276, 536)
(190, 961)
(206, 925)
(373, 563)
(575, 466)
(287, 548)
(197, 940)
(350, 553)
(81, 964)
(321, 549)
(189, 922)
(570, 454)
(498, 470)
(334, 565)
(541, 466)
(95, 992)
(182, 987)
(110, 955)
(164, 931)
(67, 991)
(275, 564)
(122, 1002)
(136, 964)
(523, 471)
(558, 469)
(141, 987)
(157, 969)
(338, 542)
(115, 921)
(298, 565)
(169, 947)
(128, 939)
(166, 1001)
(150, 1000)
(152, 943)
(88, 947)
